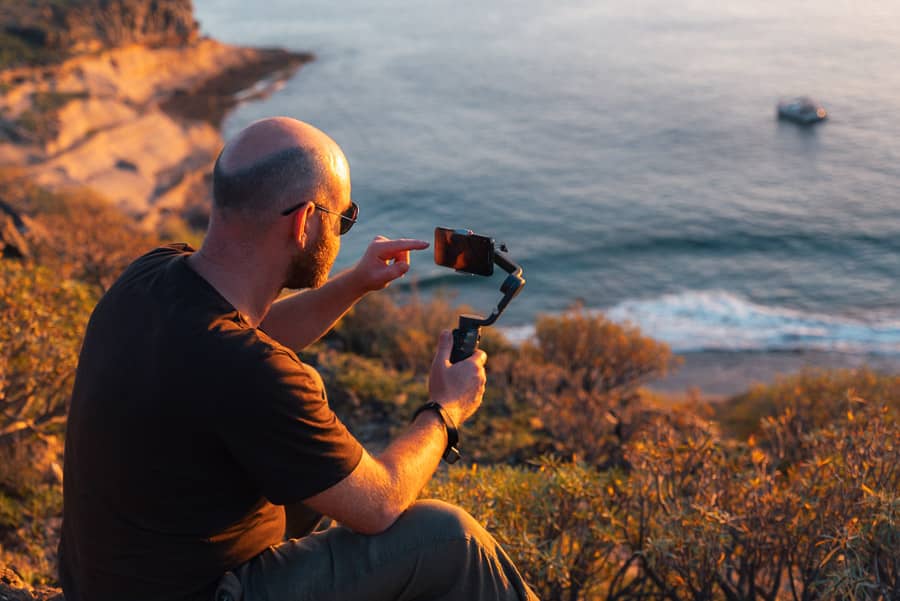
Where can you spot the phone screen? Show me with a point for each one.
(464, 251)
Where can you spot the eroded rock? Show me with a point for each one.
(13, 588)
(13, 244)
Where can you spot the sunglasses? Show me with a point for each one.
(348, 217)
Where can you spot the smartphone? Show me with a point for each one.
(464, 251)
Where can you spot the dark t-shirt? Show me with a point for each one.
(187, 429)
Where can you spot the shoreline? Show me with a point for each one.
(718, 375)
(222, 92)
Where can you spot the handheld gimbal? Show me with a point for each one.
(468, 252)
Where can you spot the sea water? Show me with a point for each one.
(626, 151)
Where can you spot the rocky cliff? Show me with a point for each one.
(133, 110)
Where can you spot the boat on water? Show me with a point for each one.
(803, 110)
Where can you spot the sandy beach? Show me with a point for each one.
(718, 375)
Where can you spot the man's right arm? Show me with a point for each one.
(381, 488)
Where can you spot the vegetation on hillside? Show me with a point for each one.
(43, 32)
(597, 490)
(698, 516)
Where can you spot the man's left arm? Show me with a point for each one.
(300, 319)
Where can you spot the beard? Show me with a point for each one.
(310, 269)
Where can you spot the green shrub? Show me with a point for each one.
(553, 520)
(402, 336)
(507, 428)
(399, 340)
(698, 517)
(846, 486)
(30, 506)
(816, 396)
(374, 401)
(42, 320)
(29, 533)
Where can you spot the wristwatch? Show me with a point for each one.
(451, 453)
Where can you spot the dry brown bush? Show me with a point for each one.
(80, 235)
(816, 397)
(403, 336)
(583, 374)
(42, 320)
(702, 518)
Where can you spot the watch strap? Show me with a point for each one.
(451, 453)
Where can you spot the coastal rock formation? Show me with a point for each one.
(137, 122)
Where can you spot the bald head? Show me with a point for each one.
(274, 163)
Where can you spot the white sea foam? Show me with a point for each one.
(723, 321)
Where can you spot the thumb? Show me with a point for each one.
(445, 345)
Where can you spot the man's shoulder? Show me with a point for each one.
(252, 350)
(148, 269)
(157, 257)
(255, 376)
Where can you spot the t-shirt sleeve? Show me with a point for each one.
(279, 427)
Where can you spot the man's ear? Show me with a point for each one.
(301, 224)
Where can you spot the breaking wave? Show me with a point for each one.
(716, 320)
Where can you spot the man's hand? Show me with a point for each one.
(458, 387)
(381, 488)
(384, 261)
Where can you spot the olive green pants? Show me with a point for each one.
(434, 551)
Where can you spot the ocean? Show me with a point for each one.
(626, 151)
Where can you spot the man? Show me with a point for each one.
(193, 422)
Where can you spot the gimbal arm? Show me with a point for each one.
(468, 334)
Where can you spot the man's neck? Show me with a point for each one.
(249, 290)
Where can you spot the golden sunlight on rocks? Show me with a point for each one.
(122, 122)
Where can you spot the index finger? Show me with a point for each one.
(388, 248)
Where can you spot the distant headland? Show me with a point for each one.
(124, 97)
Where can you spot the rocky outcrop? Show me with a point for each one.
(13, 244)
(19, 234)
(130, 102)
(138, 125)
(78, 26)
(13, 588)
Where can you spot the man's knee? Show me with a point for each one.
(471, 565)
(446, 521)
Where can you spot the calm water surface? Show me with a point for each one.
(625, 150)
